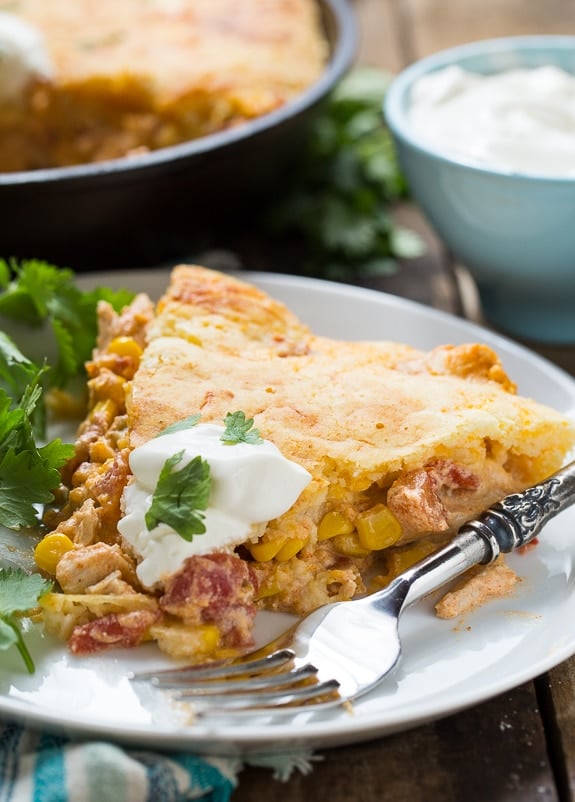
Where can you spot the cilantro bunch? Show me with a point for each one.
(339, 200)
(38, 294)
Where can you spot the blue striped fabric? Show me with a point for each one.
(49, 774)
(40, 767)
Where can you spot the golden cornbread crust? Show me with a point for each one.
(403, 446)
(137, 75)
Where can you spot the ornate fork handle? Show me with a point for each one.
(518, 518)
(510, 523)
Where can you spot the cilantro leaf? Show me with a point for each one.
(16, 370)
(27, 478)
(181, 496)
(19, 591)
(19, 594)
(239, 429)
(20, 378)
(178, 426)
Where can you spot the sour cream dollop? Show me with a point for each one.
(521, 120)
(251, 484)
(23, 56)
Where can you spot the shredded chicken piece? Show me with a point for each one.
(131, 322)
(493, 581)
(82, 526)
(420, 499)
(111, 585)
(80, 569)
(414, 500)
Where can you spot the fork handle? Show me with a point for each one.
(510, 523)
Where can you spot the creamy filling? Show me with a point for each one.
(23, 57)
(522, 120)
(250, 484)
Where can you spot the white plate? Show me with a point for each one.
(446, 666)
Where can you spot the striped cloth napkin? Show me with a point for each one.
(42, 767)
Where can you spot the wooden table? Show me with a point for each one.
(519, 746)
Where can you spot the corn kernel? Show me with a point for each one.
(290, 548)
(125, 346)
(77, 495)
(266, 591)
(100, 451)
(333, 523)
(266, 550)
(399, 560)
(208, 637)
(349, 545)
(378, 528)
(114, 389)
(123, 442)
(106, 409)
(180, 640)
(50, 550)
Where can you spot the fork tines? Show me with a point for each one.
(266, 683)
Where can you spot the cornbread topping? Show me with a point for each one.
(522, 120)
(250, 484)
(23, 56)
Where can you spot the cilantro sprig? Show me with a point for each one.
(19, 595)
(340, 198)
(181, 496)
(180, 425)
(34, 293)
(29, 473)
(239, 429)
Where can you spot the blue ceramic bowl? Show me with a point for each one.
(514, 232)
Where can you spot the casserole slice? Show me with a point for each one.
(378, 452)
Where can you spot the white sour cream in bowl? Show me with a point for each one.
(519, 120)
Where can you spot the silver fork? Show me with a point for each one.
(344, 649)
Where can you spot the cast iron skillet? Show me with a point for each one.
(156, 207)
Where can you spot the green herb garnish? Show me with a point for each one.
(28, 472)
(180, 425)
(239, 429)
(19, 594)
(36, 296)
(181, 496)
(35, 292)
(339, 199)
